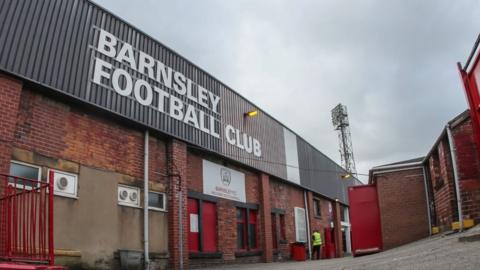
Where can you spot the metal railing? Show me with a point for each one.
(26, 219)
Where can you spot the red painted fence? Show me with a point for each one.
(26, 220)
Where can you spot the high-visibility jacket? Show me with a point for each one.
(317, 239)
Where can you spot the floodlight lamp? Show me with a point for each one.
(251, 113)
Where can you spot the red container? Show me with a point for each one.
(365, 220)
(298, 251)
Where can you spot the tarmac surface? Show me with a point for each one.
(443, 252)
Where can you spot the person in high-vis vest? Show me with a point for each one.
(316, 243)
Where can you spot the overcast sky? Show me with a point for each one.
(393, 63)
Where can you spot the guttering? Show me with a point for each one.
(428, 200)
(145, 203)
(418, 166)
(452, 123)
(307, 217)
(455, 175)
(373, 172)
(437, 141)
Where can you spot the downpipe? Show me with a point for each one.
(455, 175)
(145, 204)
(307, 217)
(428, 200)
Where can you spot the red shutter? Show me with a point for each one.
(209, 227)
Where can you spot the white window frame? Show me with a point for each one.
(129, 204)
(61, 193)
(164, 209)
(21, 186)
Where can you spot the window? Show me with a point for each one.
(202, 221)
(278, 229)
(252, 232)
(274, 231)
(156, 201)
(317, 210)
(27, 171)
(241, 228)
(283, 234)
(246, 229)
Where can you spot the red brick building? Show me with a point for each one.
(402, 202)
(431, 194)
(453, 171)
(156, 157)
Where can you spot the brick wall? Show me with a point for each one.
(54, 129)
(177, 198)
(443, 186)
(63, 132)
(403, 206)
(226, 211)
(468, 165)
(321, 222)
(10, 91)
(286, 197)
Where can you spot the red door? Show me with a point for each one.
(209, 227)
(365, 219)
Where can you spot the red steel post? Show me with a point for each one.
(471, 93)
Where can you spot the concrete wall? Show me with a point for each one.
(403, 206)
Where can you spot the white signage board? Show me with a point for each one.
(300, 225)
(223, 182)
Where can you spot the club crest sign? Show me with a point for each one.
(226, 177)
(223, 182)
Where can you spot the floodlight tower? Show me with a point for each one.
(342, 126)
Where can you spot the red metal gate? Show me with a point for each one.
(365, 219)
(26, 219)
(470, 75)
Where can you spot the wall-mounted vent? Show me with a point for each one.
(65, 184)
(128, 196)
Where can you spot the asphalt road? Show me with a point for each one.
(440, 252)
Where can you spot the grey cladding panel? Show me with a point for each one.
(320, 173)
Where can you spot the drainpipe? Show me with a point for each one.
(308, 225)
(145, 203)
(428, 200)
(455, 175)
(180, 217)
